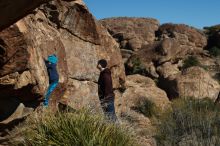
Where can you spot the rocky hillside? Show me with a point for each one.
(165, 57)
(171, 57)
(149, 61)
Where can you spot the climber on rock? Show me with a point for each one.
(105, 90)
(51, 64)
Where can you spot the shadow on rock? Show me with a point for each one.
(8, 107)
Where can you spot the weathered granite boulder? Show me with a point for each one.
(194, 82)
(168, 69)
(64, 28)
(138, 87)
(151, 56)
(187, 36)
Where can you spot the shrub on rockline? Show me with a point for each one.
(145, 107)
(214, 51)
(190, 61)
(77, 129)
(137, 67)
(190, 122)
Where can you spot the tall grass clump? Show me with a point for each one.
(73, 129)
(193, 122)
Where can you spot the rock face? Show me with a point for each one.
(194, 82)
(132, 33)
(83, 94)
(23, 73)
(66, 29)
(83, 56)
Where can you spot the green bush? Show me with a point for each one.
(190, 122)
(145, 107)
(214, 51)
(73, 129)
(191, 61)
(137, 67)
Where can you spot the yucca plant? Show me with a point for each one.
(73, 129)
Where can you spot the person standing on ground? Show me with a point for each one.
(51, 64)
(105, 89)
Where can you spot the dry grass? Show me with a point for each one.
(191, 122)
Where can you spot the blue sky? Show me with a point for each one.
(197, 13)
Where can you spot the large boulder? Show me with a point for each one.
(151, 56)
(82, 94)
(82, 66)
(194, 82)
(187, 36)
(64, 28)
(132, 33)
(168, 70)
(139, 87)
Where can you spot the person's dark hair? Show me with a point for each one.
(103, 63)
